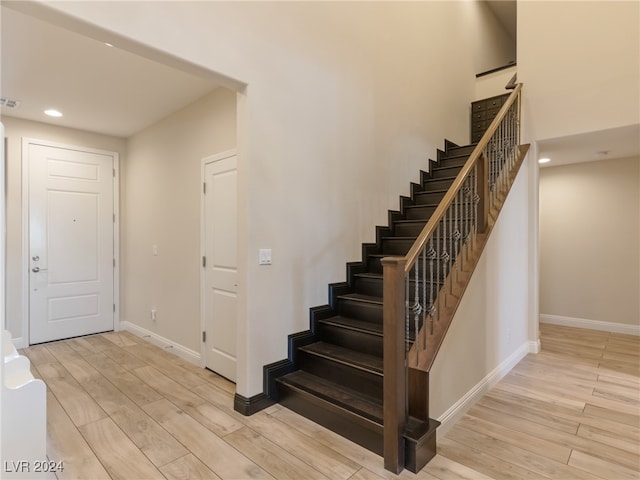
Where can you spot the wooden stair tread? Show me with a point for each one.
(450, 177)
(439, 190)
(359, 360)
(361, 326)
(398, 238)
(359, 297)
(354, 324)
(344, 397)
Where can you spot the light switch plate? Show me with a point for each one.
(264, 256)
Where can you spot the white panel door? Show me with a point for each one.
(221, 272)
(71, 243)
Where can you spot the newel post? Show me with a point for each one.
(483, 192)
(395, 387)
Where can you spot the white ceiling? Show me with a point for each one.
(97, 88)
(623, 142)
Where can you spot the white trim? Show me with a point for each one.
(534, 346)
(449, 418)
(19, 342)
(203, 240)
(26, 141)
(168, 345)
(591, 324)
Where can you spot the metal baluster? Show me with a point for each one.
(406, 313)
(503, 156)
(417, 308)
(445, 255)
(438, 245)
(432, 255)
(457, 235)
(474, 208)
(451, 247)
(467, 216)
(424, 297)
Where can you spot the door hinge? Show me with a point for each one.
(204, 261)
(114, 308)
(114, 263)
(204, 188)
(204, 336)
(114, 218)
(114, 173)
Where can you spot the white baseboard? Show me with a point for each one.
(591, 324)
(449, 418)
(20, 342)
(181, 351)
(534, 347)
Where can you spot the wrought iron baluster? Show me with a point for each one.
(456, 234)
(451, 248)
(438, 246)
(424, 298)
(476, 201)
(432, 255)
(444, 257)
(417, 307)
(406, 313)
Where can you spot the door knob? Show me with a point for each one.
(35, 269)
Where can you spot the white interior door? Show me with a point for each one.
(221, 271)
(71, 242)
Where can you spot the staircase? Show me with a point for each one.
(334, 370)
(365, 362)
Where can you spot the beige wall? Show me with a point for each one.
(489, 332)
(161, 206)
(580, 63)
(590, 241)
(15, 130)
(493, 47)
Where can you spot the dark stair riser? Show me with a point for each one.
(374, 286)
(363, 381)
(368, 285)
(429, 197)
(413, 228)
(353, 308)
(365, 433)
(369, 342)
(424, 211)
(419, 212)
(446, 169)
(465, 150)
(438, 183)
(400, 245)
(376, 267)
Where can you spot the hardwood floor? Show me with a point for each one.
(119, 407)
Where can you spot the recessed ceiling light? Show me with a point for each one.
(108, 44)
(544, 160)
(53, 112)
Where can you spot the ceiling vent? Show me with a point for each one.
(7, 102)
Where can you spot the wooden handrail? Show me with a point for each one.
(430, 227)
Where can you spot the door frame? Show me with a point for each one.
(203, 240)
(23, 342)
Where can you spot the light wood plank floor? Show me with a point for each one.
(119, 407)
